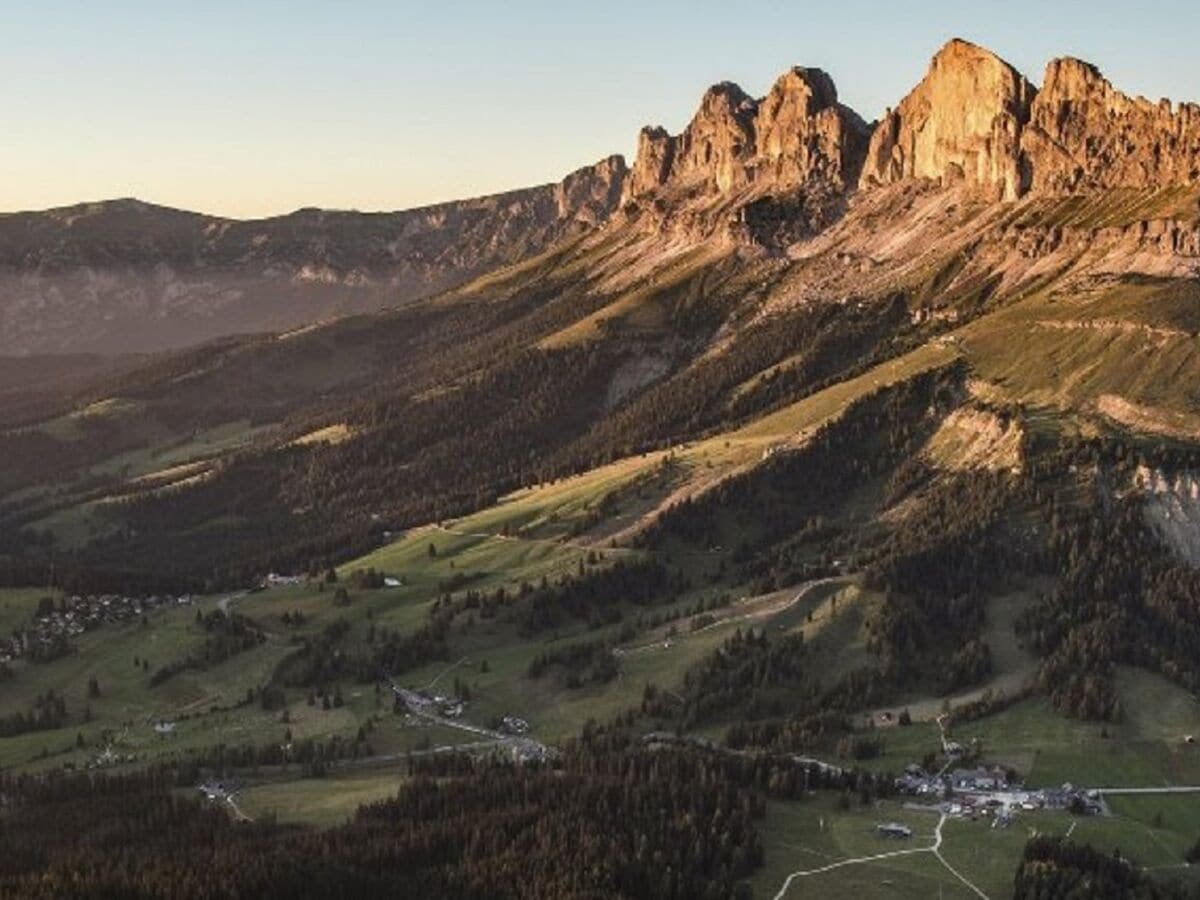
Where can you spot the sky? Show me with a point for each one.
(257, 108)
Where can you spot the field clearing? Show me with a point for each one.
(72, 425)
(817, 832)
(434, 560)
(1012, 664)
(1171, 821)
(319, 802)
(158, 459)
(330, 435)
(17, 606)
(826, 405)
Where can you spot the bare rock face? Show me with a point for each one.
(962, 122)
(803, 132)
(719, 141)
(712, 152)
(652, 166)
(590, 194)
(797, 134)
(1083, 134)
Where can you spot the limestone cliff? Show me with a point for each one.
(1083, 134)
(796, 135)
(973, 117)
(802, 132)
(590, 194)
(962, 122)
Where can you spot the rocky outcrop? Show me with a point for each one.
(799, 134)
(1083, 134)
(1171, 503)
(802, 132)
(962, 122)
(589, 195)
(718, 143)
(127, 276)
(653, 162)
(710, 153)
(975, 118)
(766, 173)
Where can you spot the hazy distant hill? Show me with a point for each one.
(126, 276)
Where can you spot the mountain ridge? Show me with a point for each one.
(973, 117)
(131, 276)
(748, 174)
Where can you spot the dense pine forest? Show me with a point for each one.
(606, 820)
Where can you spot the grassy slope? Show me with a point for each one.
(1132, 341)
(161, 459)
(1144, 749)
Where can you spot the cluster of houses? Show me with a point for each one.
(217, 790)
(425, 703)
(110, 757)
(992, 790)
(274, 579)
(526, 750)
(916, 780)
(511, 733)
(54, 624)
(513, 725)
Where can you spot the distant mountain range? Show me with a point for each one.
(126, 276)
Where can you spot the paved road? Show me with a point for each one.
(387, 759)
(1178, 789)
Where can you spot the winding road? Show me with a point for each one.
(734, 614)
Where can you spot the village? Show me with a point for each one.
(983, 791)
(510, 733)
(991, 791)
(52, 627)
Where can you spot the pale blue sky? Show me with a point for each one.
(253, 108)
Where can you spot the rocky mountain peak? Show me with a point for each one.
(963, 121)
(802, 131)
(1084, 134)
(719, 140)
(590, 194)
(797, 133)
